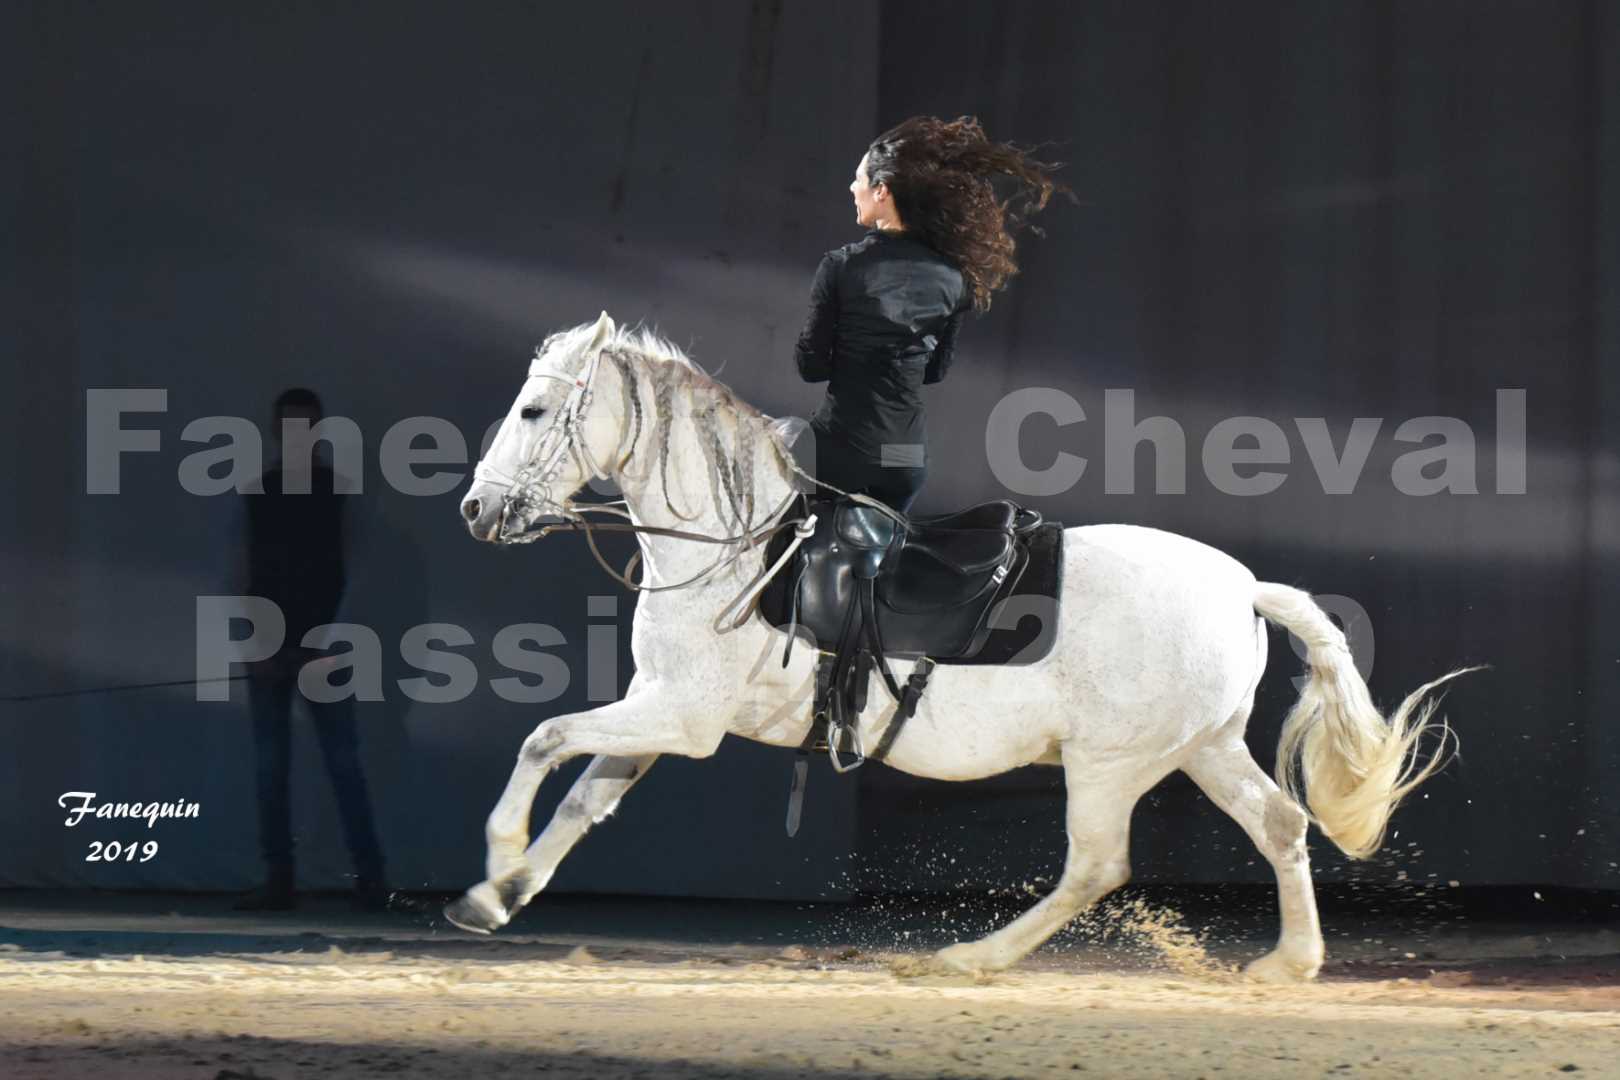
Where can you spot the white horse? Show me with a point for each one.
(1154, 668)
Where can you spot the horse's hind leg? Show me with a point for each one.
(1098, 817)
(1229, 776)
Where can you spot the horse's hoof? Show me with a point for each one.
(478, 910)
(965, 957)
(1272, 968)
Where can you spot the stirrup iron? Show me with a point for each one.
(835, 734)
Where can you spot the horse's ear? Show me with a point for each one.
(788, 428)
(600, 333)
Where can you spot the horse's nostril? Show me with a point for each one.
(470, 508)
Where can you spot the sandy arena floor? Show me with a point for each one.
(179, 987)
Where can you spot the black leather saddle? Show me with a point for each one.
(862, 588)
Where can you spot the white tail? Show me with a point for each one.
(1356, 766)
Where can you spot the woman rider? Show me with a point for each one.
(885, 310)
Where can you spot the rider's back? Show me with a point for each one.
(884, 315)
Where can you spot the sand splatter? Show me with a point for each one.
(1161, 930)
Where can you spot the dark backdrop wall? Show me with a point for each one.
(1290, 211)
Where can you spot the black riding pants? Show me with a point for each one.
(841, 465)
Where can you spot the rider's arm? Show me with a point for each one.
(814, 352)
(944, 350)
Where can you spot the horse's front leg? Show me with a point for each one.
(629, 734)
(594, 796)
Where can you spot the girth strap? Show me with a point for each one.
(910, 694)
(874, 637)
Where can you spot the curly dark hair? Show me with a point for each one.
(939, 173)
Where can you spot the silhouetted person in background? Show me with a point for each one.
(294, 542)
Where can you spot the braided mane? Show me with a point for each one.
(652, 364)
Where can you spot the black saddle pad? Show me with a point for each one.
(1026, 621)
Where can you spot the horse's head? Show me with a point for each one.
(558, 433)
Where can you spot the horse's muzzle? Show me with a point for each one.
(482, 513)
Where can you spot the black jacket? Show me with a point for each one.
(884, 312)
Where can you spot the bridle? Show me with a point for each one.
(528, 497)
(528, 494)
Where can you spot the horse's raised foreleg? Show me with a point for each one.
(1098, 818)
(1228, 775)
(627, 736)
(594, 796)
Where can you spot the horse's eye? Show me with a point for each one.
(531, 412)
